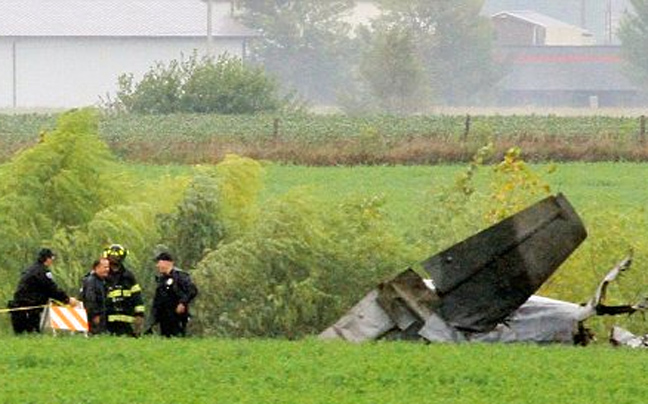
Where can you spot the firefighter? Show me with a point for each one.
(35, 287)
(174, 292)
(124, 304)
(93, 294)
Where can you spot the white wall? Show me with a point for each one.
(75, 72)
(567, 36)
(6, 69)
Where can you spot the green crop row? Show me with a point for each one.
(339, 139)
(324, 128)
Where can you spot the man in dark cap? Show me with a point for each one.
(174, 292)
(35, 287)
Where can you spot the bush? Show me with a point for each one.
(60, 182)
(225, 85)
(54, 188)
(195, 225)
(302, 265)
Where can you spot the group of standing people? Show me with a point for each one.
(111, 296)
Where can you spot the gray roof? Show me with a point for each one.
(116, 18)
(535, 18)
(565, 68)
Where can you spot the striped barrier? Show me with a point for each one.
(67, 318)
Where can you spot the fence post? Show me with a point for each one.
(466, 128)
(275, 128)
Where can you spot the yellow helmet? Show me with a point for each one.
(115, 252)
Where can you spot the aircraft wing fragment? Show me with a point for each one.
(483, 279)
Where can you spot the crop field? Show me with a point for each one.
(152, 370)
(325, 140)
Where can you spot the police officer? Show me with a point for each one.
(124, 304)
(93, 294)
(35, 287)
(174, 292)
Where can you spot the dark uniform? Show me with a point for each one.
(93, 294)
(35, 288)
(124, 301)
(124, 304)
(172, 289)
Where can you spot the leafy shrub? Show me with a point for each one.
(195, 225)
(466, 206)
(226, 86)
(302, 265)
(240, 182)
(158, 92)
(59, 183)
(219, 203)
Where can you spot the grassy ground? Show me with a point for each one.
(150, 370)
(617, 187)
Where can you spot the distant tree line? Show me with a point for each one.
(633, 33)
(415, 54)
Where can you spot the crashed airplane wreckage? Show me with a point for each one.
(482, 289)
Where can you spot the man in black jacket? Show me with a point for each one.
(174, 292)
(94, 296)
(35, 287)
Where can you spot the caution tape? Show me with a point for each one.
(42, 306)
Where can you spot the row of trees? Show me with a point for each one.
(633, 33)
(416, 52)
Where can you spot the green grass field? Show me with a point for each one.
(616, 187)
(152, 370)
(587, 185)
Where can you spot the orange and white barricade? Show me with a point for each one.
(65, 318)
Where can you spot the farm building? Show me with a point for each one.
(600, 17)
(574, 76)
(69, 53)
(530, 28)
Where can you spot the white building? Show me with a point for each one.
(363, 13)
(530, 28)
(69, 53)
